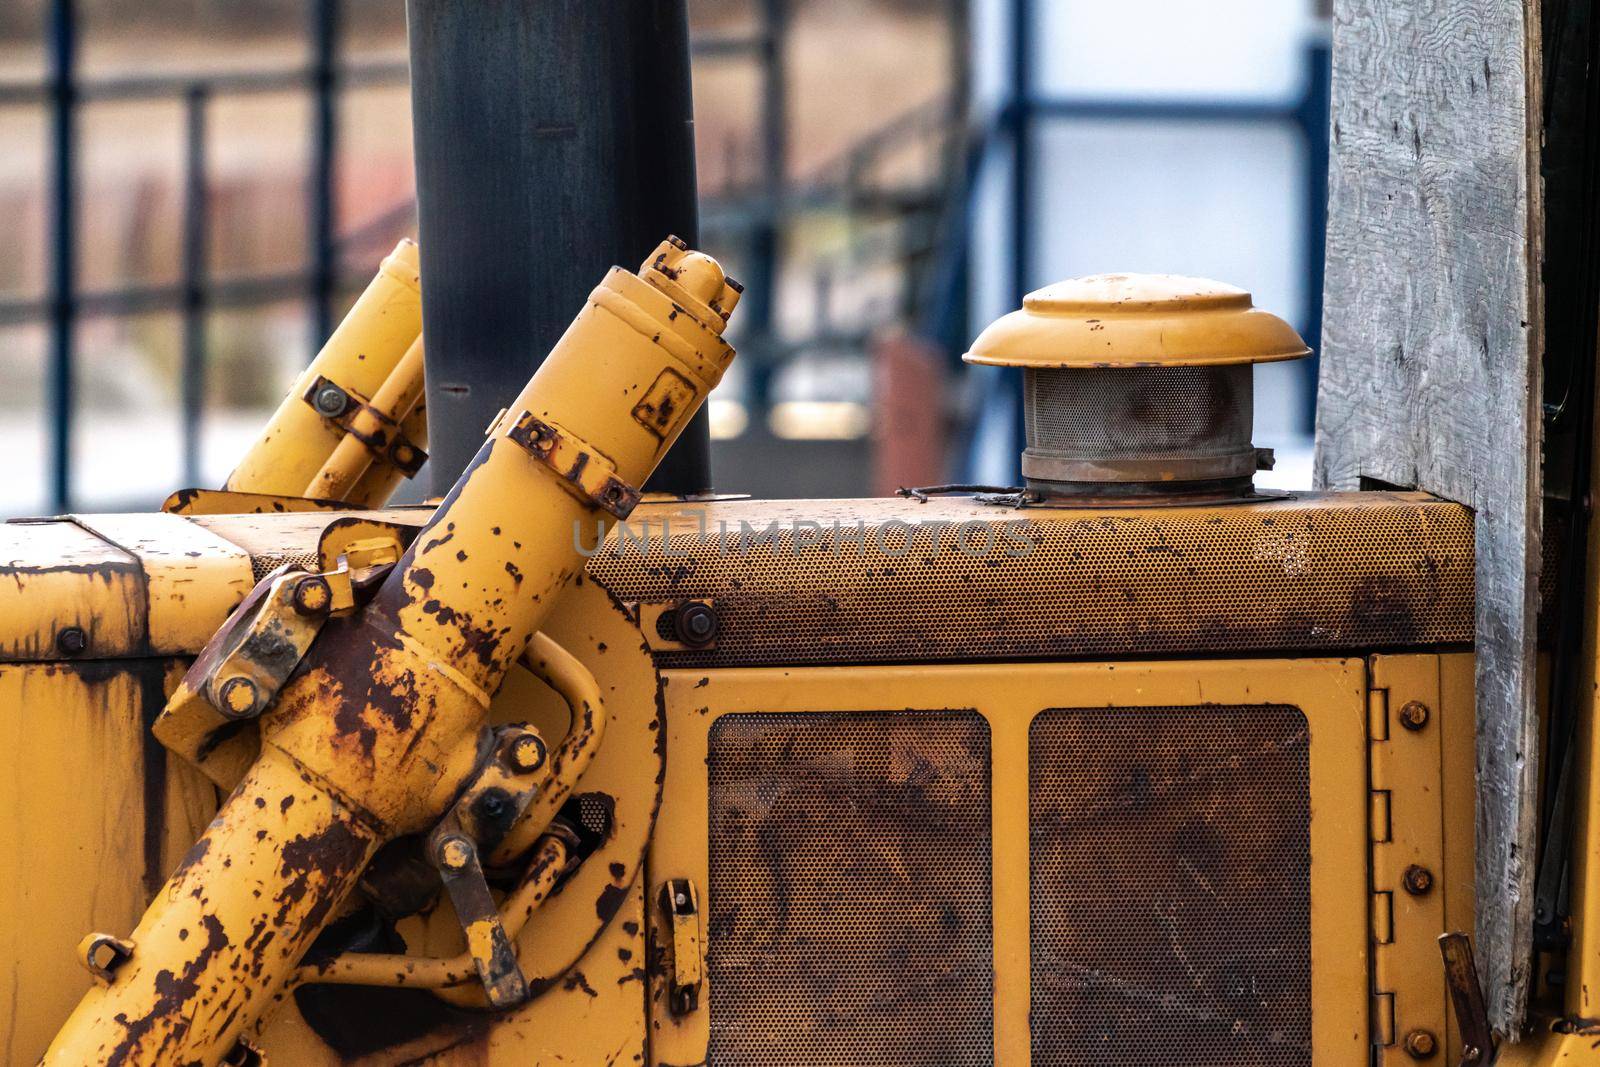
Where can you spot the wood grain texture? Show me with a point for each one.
(1430, 358)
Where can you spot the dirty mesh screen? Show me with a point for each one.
(850, 895)
(1170, 892)
(956, 581)
(1153, 412)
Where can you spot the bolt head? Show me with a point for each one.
(1421, 1044)
(330, 400)
(72, 640)
(695, 624)
(455, 853)
(1417, 879)
(239, 696)
(526, 753)
(1414, 716)
(313, 595)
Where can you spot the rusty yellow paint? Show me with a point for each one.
(97, 814)
(378, 730)
(56, 576)
(193, 578)
(1331, 693)
(128, 585)
(364, 350)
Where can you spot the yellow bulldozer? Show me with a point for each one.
(1134, 762)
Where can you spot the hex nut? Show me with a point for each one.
(313, 595)
(695, 624)
(1414, 715)
(1417, 879)
(239, 696)
(454, 853)
(526, 753)
(1421, 1044)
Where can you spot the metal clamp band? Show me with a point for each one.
(355, 415)
(580, 466)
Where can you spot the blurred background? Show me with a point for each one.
(192, 191)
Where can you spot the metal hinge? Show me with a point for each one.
(1405, 842)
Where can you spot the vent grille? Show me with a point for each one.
(1139, 412)
(263, 565)
(972, 583)
(1170, 871)
(850, 914)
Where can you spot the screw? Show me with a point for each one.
(695, 624)
(1417, 879)
(313, 595)
(403, 455)
(72, 640)
(527, 753)
(239, 696)
(1414, 716)
(330, 400)
(454, 853)
(1421, 1045)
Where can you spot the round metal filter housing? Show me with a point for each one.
(1138, 385)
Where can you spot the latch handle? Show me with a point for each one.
(681, 903)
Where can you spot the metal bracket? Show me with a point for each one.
(581, 467)
(682, 905)
(355, 415)
(102, 954)
(1466, 996)
(238, 673)
(518, 768)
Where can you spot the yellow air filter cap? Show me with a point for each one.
(1136, 320)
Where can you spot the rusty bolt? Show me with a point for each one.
(313, 595)
(695, 625)
(1417, 879)
(403, 455)
(72, 640)
(1414, 716)
(1421, 1044)
(330, 400)
(239, 696)
(454, 853)
(526, 754)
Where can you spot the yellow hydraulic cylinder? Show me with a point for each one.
(385, 720)
(372, 340)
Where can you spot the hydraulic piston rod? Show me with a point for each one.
(386, 717)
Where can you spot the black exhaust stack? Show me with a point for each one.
(554, 138)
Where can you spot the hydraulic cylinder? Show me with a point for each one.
(386, 717)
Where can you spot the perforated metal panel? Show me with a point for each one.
(1170, 887)
(951, 580)
(849, 901)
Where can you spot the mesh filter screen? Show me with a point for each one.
(1170, 886)
(850, 915)
(1151, 412)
